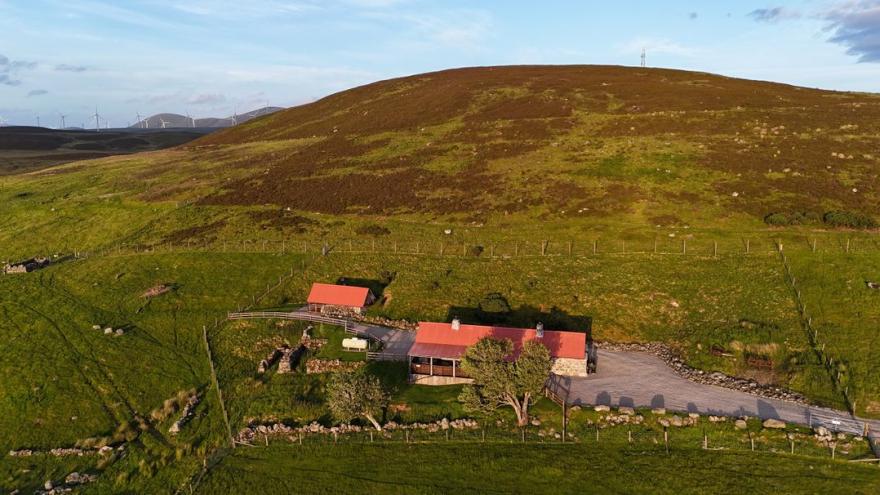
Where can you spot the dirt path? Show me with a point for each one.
(643, 380)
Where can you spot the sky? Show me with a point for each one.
(215, 57)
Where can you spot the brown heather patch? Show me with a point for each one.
(281, 220)
(484, 115)
(198, 232)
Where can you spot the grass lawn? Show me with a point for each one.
(510, 468)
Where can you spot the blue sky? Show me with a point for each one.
(213, 57)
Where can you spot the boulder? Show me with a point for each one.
(774, 424)
(740, 424)
(821, 431)
(675, 421)
(659, 411)
(601, 408)
(626, 410)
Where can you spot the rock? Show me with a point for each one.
(675, 421)
(821, 431)
(108, 331)
(48, 485)
(626, 410)
(601, 408)
(444, 424)
(774, 424)
(575, 408)
(740, 424)
(694, 415)
(659, 411)
(664, 423)
(536, 422)
(119, 332)
(96, 327)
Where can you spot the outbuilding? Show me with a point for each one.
(435, 356)
(331, 298)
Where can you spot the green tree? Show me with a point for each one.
(500, 381)
(351, 395)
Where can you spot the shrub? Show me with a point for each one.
(849, 219)
(476, 251)
(777, 219)
(781, 219)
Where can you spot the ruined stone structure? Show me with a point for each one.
(26, 265)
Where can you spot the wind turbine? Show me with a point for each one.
(139, 122)
(97, 121)
(62, 119)
(164, 123)
(192, 120)
(2, 121)
(38, 121)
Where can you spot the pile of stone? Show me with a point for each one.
(62, 452)
(253, 432)
(314, 366)
(72, 481)
(672, 359)
(271, 359)
(188, 410)
(287, 360)
(827, 438)
(26, 266)
(313, 344)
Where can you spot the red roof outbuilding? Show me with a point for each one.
(439, 340)
(339, 295)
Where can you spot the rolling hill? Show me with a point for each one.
(664, 145)
(174, 120)
(25, 149)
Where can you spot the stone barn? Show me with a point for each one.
(330, 298)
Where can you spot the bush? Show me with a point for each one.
(476, 251)
(777, 219)
(849, 219)
(781, 219)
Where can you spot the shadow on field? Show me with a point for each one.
(494, 310)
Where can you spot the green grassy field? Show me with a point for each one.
(510, 468)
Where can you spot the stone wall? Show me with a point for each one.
(569, 367)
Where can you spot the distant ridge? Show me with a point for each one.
(174, 120)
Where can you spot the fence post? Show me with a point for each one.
(543, 248)
(748, 246)
(595, 246)
(684, 247)
(569, 248)
(714, 249)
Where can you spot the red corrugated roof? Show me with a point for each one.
(338, 295)
(571, 345)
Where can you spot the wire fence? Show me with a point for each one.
(640, 437)
(692, 245)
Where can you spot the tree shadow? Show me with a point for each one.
(376, 286)
(494, 310)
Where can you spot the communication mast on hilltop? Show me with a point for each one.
(644, 58)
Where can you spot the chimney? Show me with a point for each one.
(456, 324)
(539, 330)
